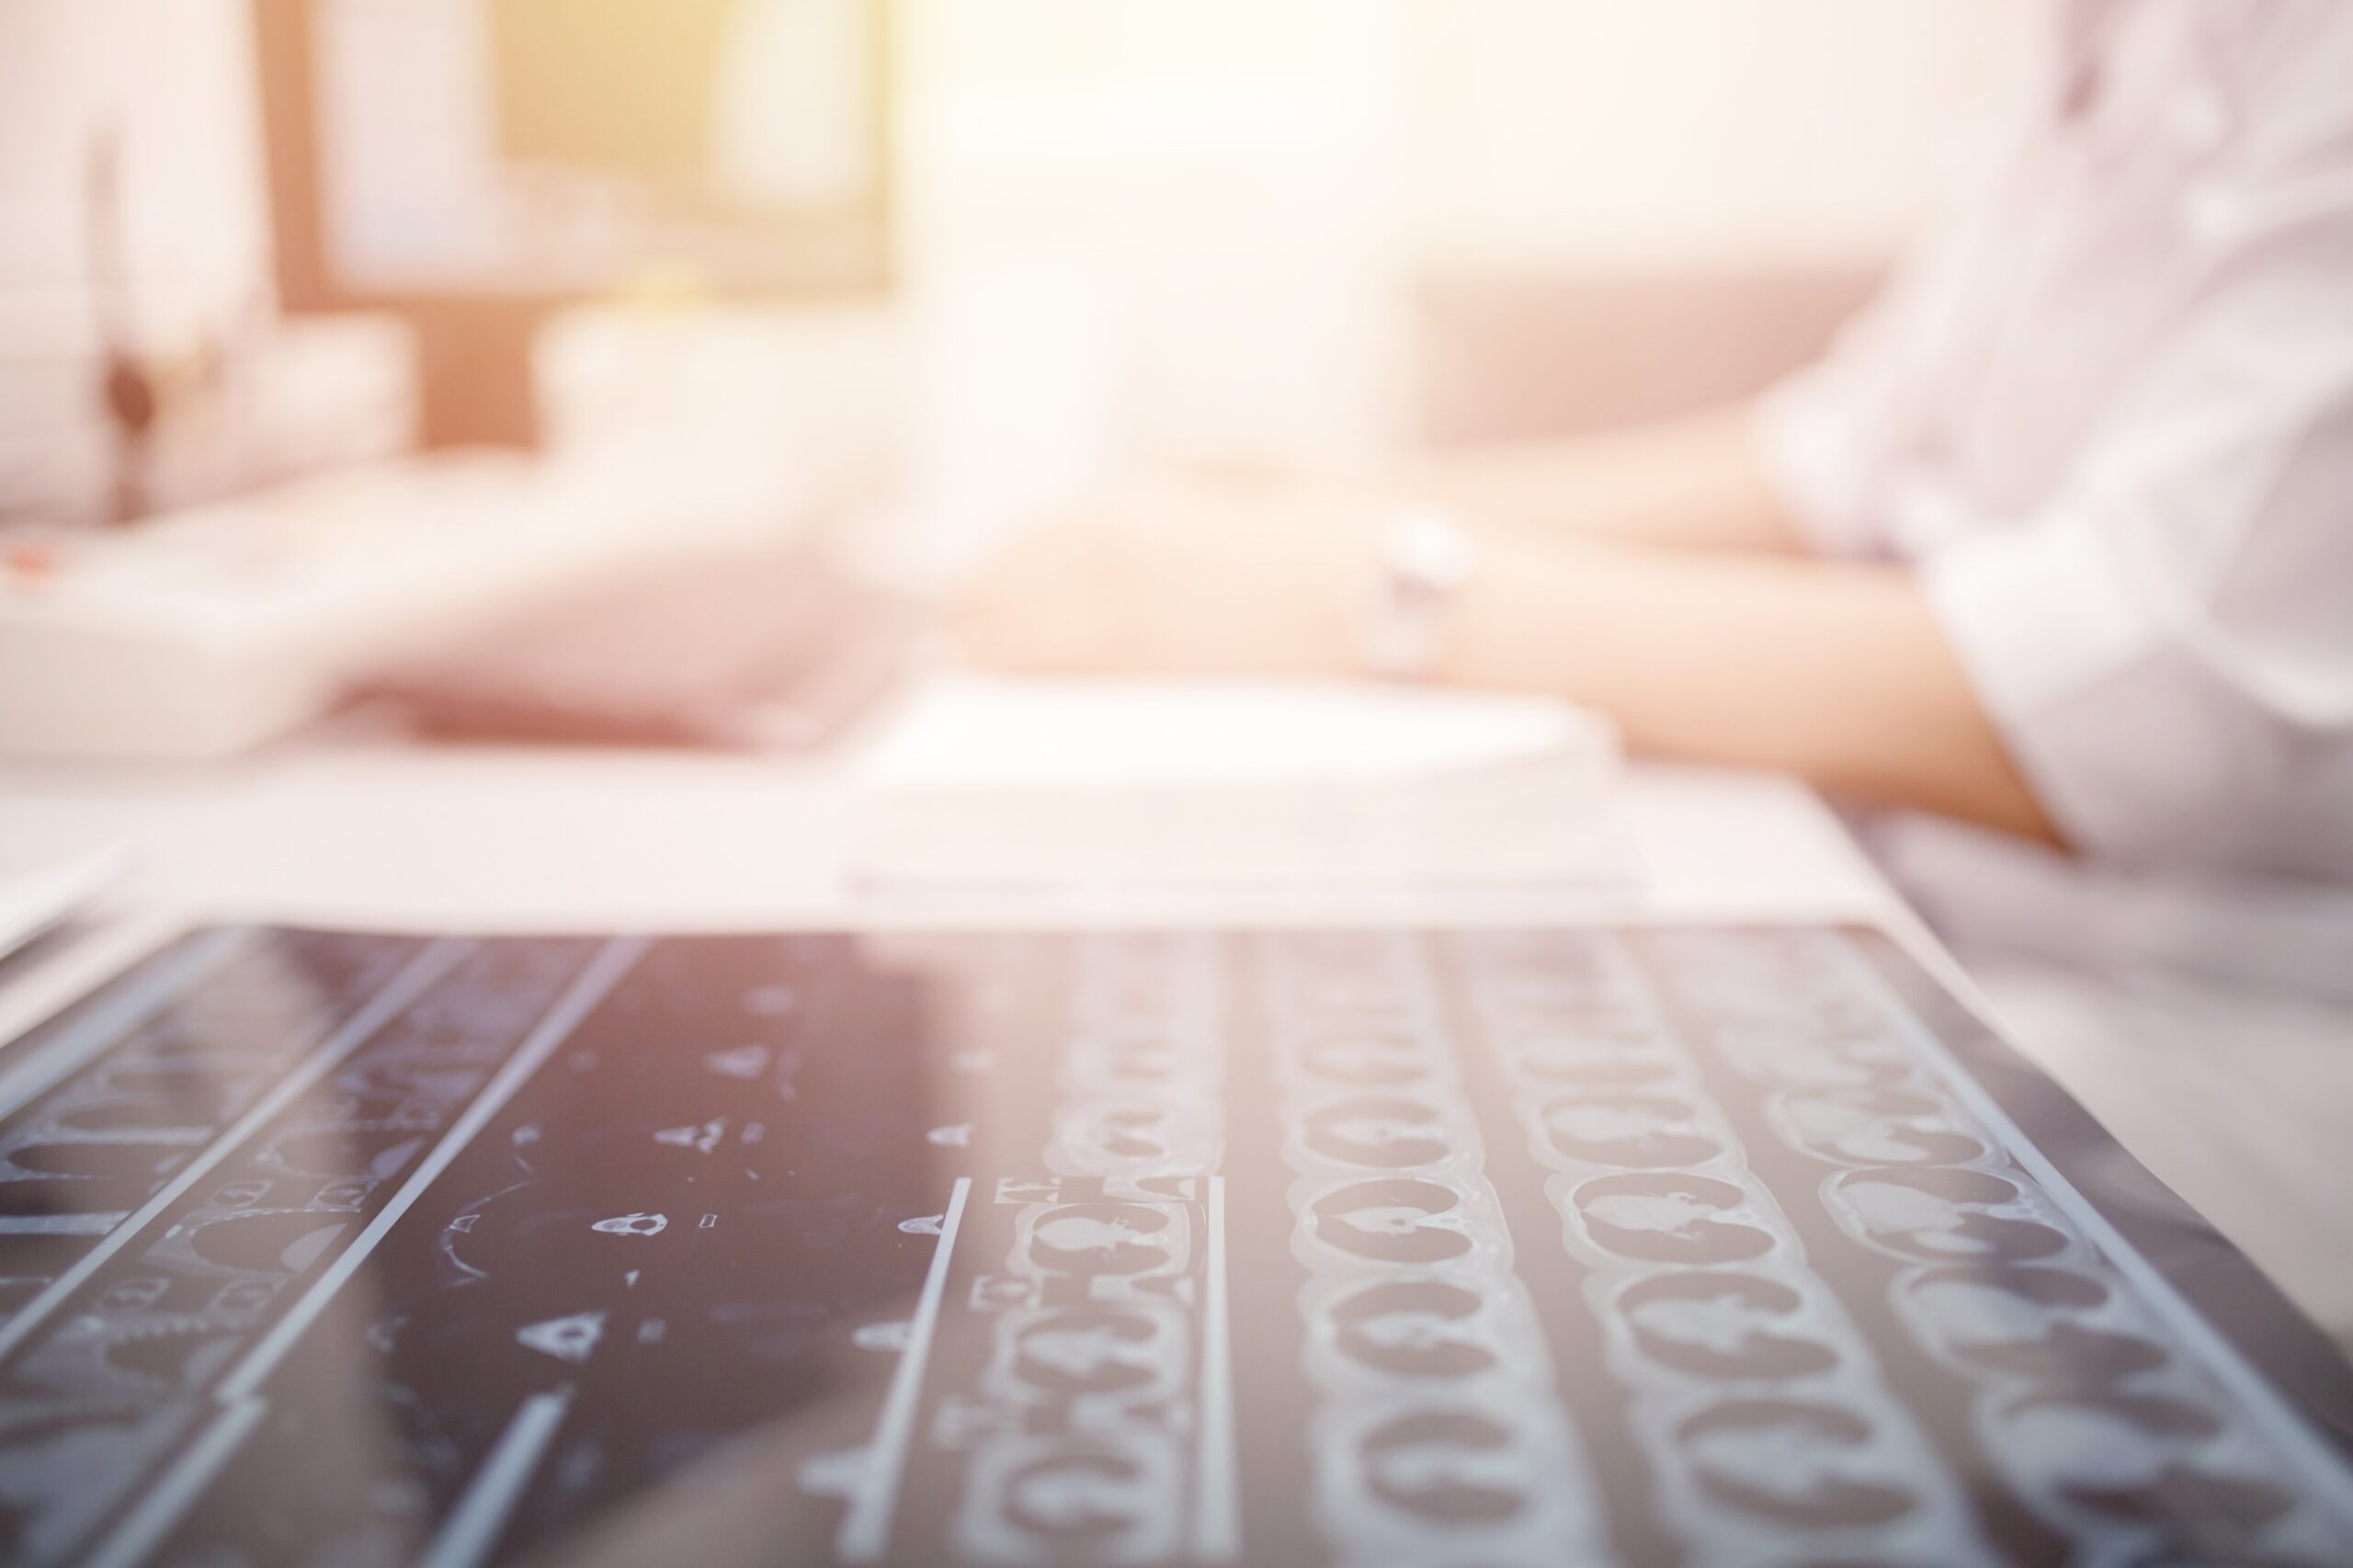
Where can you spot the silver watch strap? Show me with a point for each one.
(1425, 561)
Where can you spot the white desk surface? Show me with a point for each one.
(348, 827)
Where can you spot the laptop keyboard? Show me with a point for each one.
(1741, 1246)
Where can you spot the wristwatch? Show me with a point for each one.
(1425, 561)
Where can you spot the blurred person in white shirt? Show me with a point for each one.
(2058, 538)
(2057, 541)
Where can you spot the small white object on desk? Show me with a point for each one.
(38, 900)
(1333, 785)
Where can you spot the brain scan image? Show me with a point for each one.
(1670, 1219)
(1939, 1216)
(1383, 1131)
(2137, 1456)
(1586, 1065)
(1875, 1127)
(2028, 1322)
(1089, 1351)
(1394, 1221)
(1447, 1466)
(1139, 1055)
(1723, 1325)
(1127, 1133)
(1646, 1131)
(1171, 1135)
(1369, 1057)
(1801, 1054)
(1793, 1462)
(1102, 1238)
(1087, 1494)
(1417, 1328)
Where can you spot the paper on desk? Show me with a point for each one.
(1191, 783)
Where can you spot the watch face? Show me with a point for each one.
(1125, 1247)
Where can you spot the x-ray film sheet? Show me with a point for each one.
(1688, 1246)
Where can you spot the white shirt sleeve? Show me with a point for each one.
(1838, 437)
(2167, 645)
(2164, 630)
(1832, 435)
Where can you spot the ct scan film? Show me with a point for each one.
(1662, 1245)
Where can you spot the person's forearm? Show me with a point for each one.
(1837, 673)
(1695, 482)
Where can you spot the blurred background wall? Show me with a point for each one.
(1243, 232)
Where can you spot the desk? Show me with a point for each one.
(346, 825)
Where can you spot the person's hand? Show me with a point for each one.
(1215, 582)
